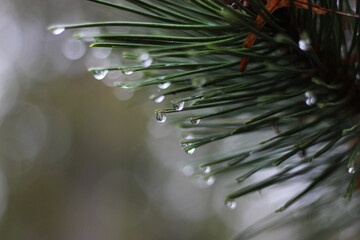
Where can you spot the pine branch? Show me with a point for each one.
(302, 75)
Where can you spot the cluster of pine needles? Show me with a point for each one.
(237, 67)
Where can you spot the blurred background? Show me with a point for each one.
(81, 160)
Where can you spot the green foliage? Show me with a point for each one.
(302, 78)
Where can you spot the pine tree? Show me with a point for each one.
(237, 67)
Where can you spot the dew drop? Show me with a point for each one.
(100, 74)
(210, 181)
(147, 63)
(304, 44)
(144, 56)
(195, 120)
(351, 170)
(188, 144)
(187, 138)
(310, 98)
(206, 170)
(179, 106)
(57, 31)
(145, 59)
(128, 72)
(190, 151)
(231, 204)
(188, 171)
(160, 116)
(159, 99)
(164, 85)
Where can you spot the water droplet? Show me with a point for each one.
(188, 171)
(100, 74)
(351, 170)
(310, 98)
(210, 181)
(231, 204)
(190, 151)
(164, 85)
(58, 30)
(128, 72)
(159, 99)
(160, 116)
(179, 106)
(187, 138)
(147, 63)
(187, 144)
(206, 170)
(145, 59)
(194, 120)
(144, 56)
(304, 44)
